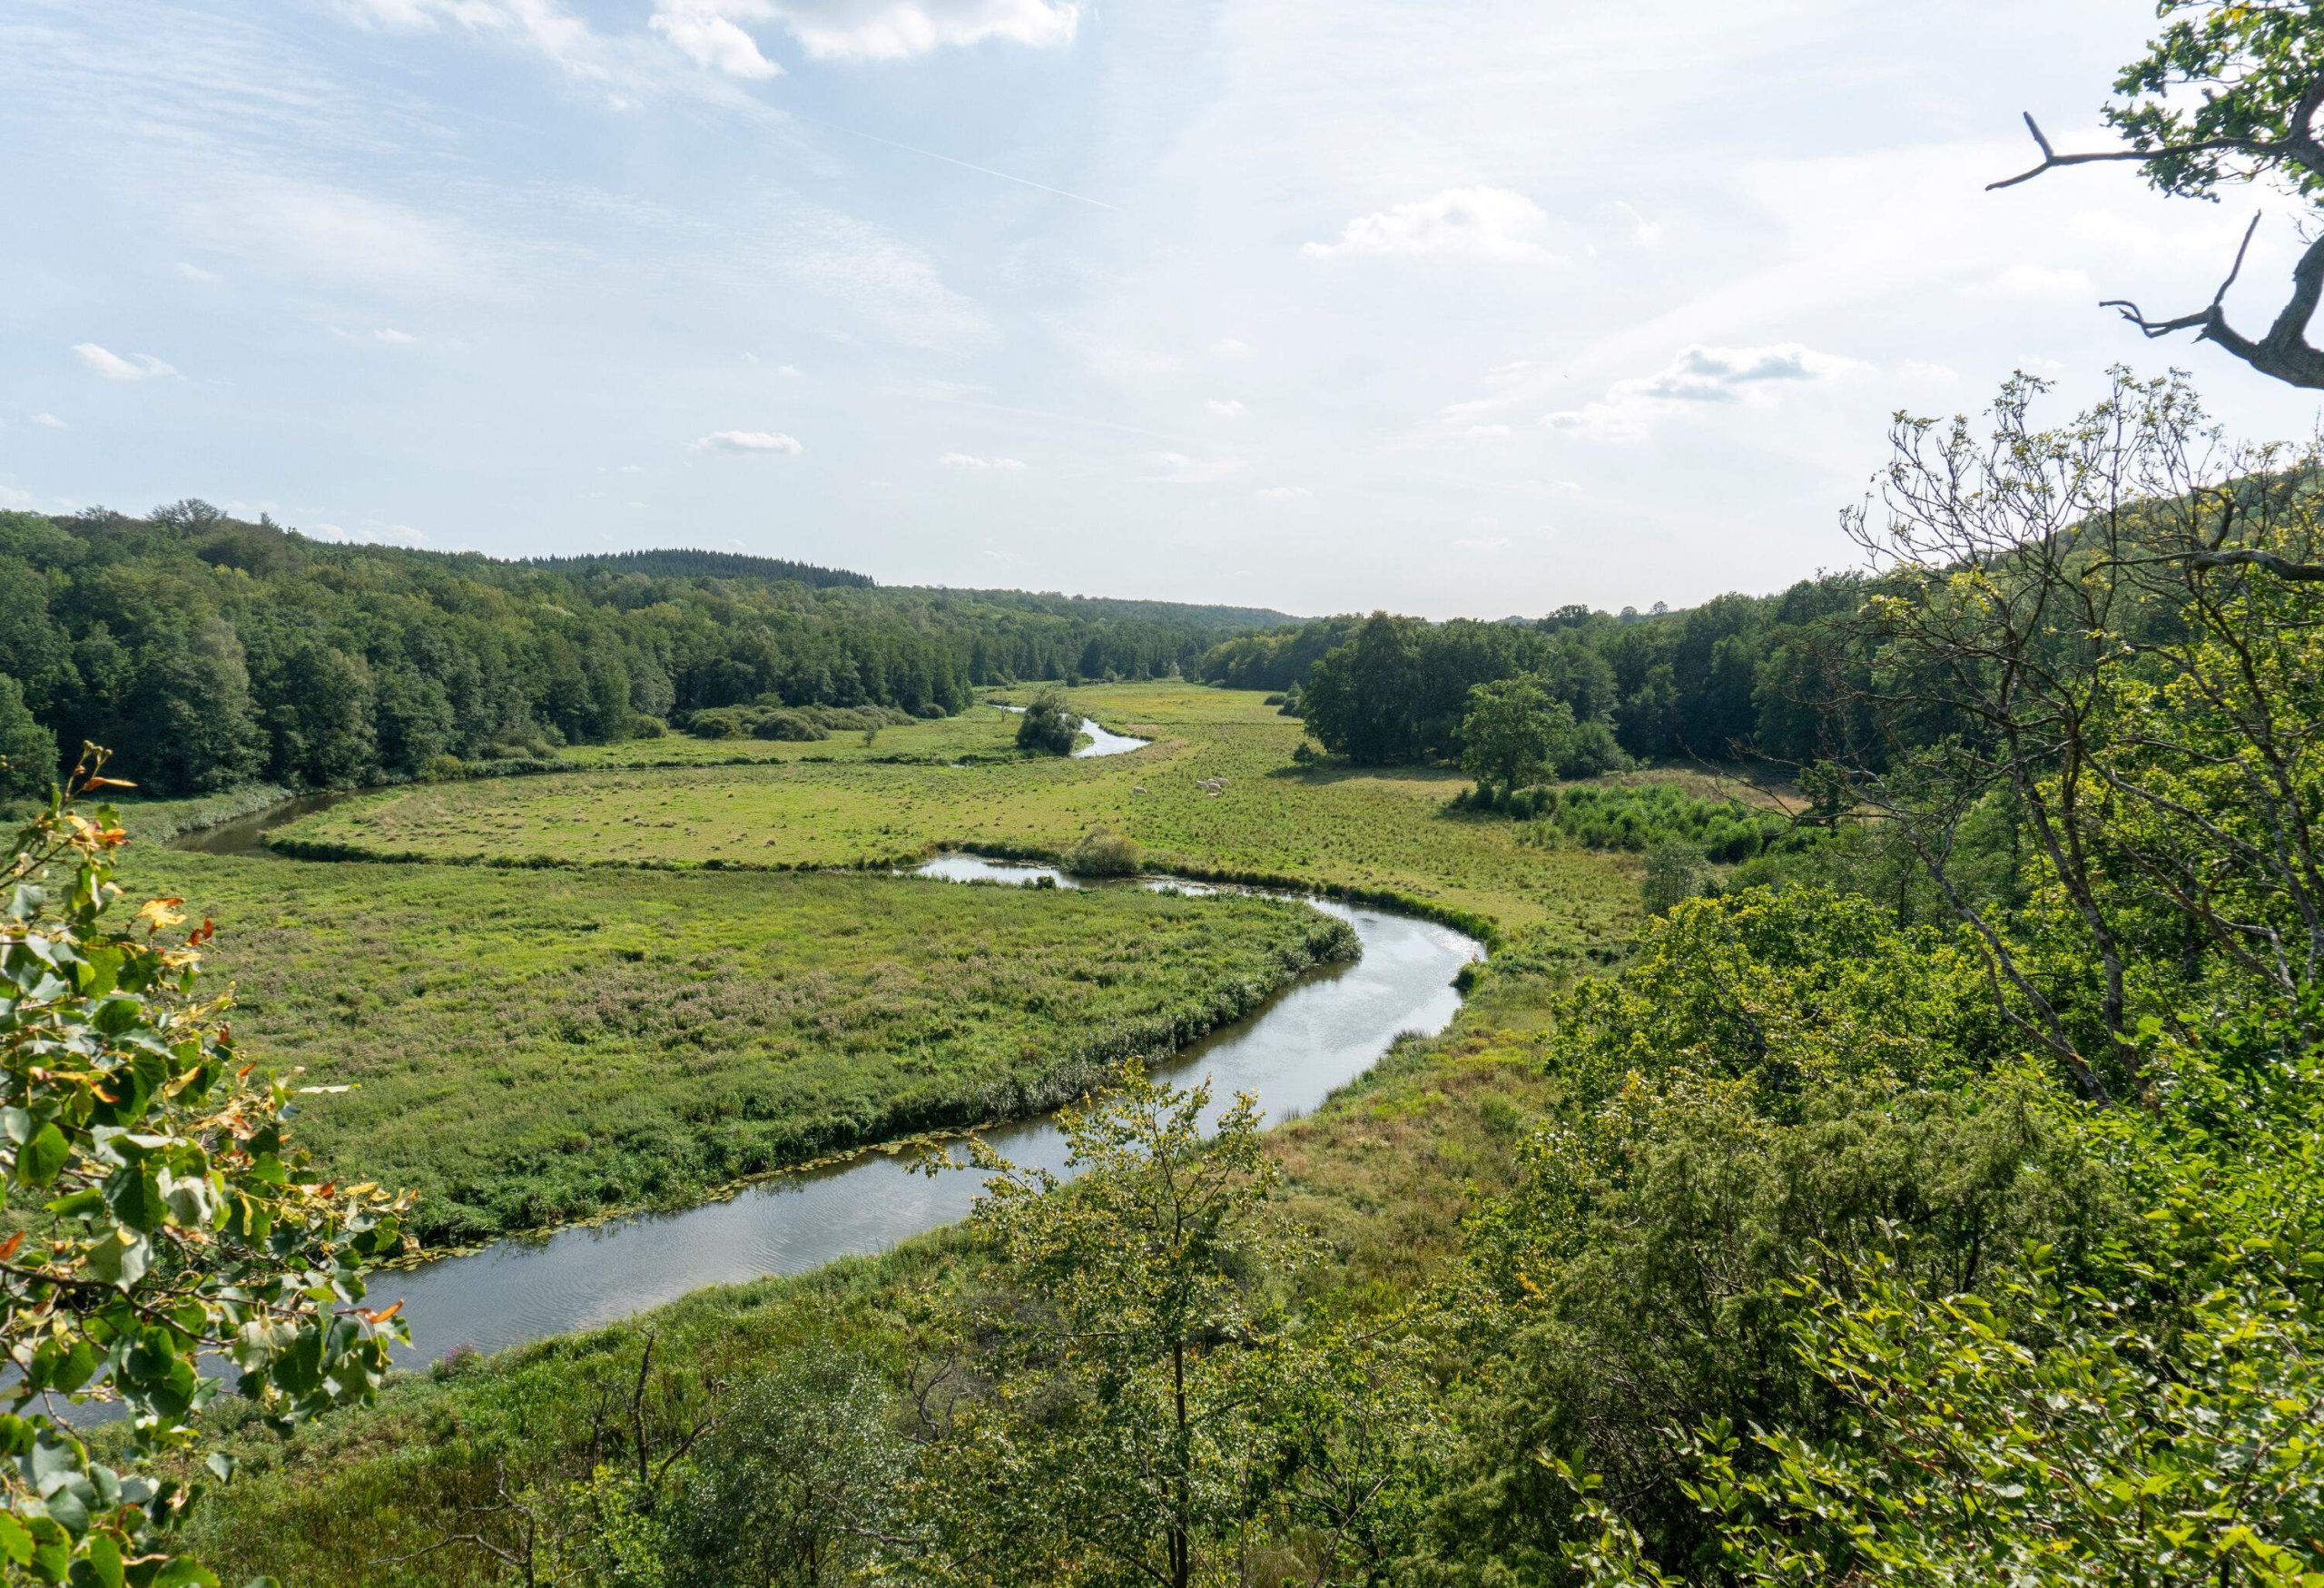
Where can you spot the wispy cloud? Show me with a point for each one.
(114, 367)
(48, 421)
(893, 287)
(545, 25)
(1283, 493)
(1478, 223)
(708, 35)
(1227, 408)
(371, 532)
(1699, 374)
(1179, 468)
(748, 441)
(969, 461)
(715, 34)
(2026, 279)
(194, 272)
(318, 230)
(1645, 234)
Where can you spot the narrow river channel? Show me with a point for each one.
(1320, 1033)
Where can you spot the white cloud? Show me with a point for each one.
(544, 24)
(48, 421)
(1231, 347)
(1460, 224)
(1230, 409)
(194, 272)
(712, 41)
(746, 441)
(1283, 493)
(280, 224)
(1488, 432)
(1699, 374)
(789, 371)
(1178, 468)
(393, 338)
(1496, 543)
(971, 461)
(10, 496)
(631, 468)
(371, 532)
(114, 367)
(2033, 281)
(890, 284)
(1643, 232)
(711, 32)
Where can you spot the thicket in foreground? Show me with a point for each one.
(155, 1213)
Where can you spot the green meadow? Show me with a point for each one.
(1216, 792)
(1384, 1173)
(526, 1049)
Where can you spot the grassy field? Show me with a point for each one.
(980, 731)
(530, 1048)
(1376, 831)
(1383, 1172)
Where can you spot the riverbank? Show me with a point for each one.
(1382, 1172)
(529, 1050)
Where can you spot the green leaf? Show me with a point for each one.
(40, 1160)
(103, 1563)
(15, 1543)
(119, 1258)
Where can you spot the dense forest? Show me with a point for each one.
(1739, 675)
(216, 652)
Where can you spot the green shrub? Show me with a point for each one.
(1103, 853)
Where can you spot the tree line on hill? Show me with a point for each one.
(1740, 675)
(216, 651)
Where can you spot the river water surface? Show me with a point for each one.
(1320, 1033)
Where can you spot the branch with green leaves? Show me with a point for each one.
(154, 1212)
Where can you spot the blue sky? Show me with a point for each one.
(1326, 304)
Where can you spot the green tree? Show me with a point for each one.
(1360, 700)
(1123, 1442)
(2227, 91)
(158, 1213)
(27, 750)
(321, 725)
(190, 709)
(1049, 725)
(802, 1468)
(1509, 733)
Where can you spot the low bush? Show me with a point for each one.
(1103, 853)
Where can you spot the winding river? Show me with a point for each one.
(1318, 1034)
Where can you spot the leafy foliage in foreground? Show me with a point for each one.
(156, 1212)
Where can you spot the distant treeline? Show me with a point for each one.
(682, 564)
(209, 651)
(1740, 674)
